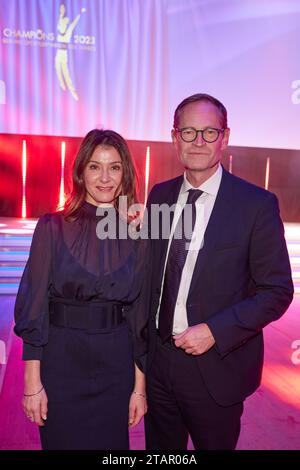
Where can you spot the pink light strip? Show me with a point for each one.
(24, 168)
(147, 173)
(267, 173)
(230, 163)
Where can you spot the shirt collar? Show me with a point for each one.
(210, 186)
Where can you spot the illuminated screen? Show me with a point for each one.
(69, 66)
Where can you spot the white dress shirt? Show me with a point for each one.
(204, 207)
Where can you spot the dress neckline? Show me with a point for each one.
(91, 209)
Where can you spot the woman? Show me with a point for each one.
(77, 313)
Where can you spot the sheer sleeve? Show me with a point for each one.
(32, 303)
(137, 311)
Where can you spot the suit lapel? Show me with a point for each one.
(222, 211)
(169, 198)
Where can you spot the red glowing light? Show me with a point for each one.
(24, 167)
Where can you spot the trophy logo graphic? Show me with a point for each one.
(64, 36)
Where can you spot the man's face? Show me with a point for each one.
(200, 156)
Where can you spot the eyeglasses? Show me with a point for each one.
(209, 134)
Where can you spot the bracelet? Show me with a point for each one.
(140, 394)
(32, 394)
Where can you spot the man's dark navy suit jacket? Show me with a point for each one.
(241, 282)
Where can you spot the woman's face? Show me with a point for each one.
(103, 175)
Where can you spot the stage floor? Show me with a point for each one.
(271, 419)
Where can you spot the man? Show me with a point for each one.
(210, 302)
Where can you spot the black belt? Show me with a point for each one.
(86, 315)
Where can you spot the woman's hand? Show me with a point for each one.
(138, 401)
(36, 405)
(35, 402)
(137, 408)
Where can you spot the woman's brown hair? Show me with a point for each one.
(104, 138)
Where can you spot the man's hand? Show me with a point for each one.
(195, 339)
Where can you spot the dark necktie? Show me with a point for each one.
(175, 263)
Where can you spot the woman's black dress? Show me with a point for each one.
(74, 288)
